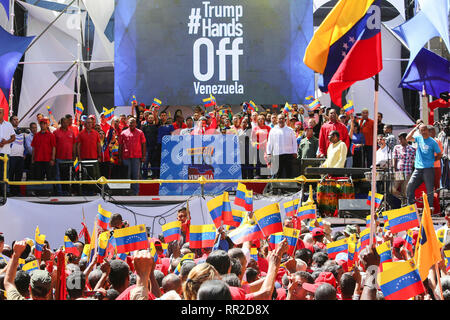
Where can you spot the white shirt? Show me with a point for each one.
(383, 156)
(18, 146)
(6, 131)
(281, 141)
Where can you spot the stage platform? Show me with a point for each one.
(153, 201)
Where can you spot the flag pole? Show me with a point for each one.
(374, 160)
(438, 276)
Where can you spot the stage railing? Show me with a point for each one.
(103, 181)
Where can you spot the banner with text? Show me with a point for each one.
(236, 50)
(190, 157)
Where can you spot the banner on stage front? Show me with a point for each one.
(191, 157)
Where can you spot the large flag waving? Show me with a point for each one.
(347, 46)
(428, 248)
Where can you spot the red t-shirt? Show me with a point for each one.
(65, 139)
(281, 294)
(260, 135)
(75, 129)
(131, 142)
(43, 143)
(125, 295)
(105, 127)
(325, 130)
(367, 130)
(163, 266)
(263, 264)
(88, 144)
(176, 126)
(239, 294)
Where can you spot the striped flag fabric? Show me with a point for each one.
(156, 103)
(275, 239)
(239, 199)
(254, 253)
(384, 250)
(86, 251)
(333, 248)
(39, 242)
(49, 109)
(202, 236)
(30, 266)
(315, 105)
(378, 199)
(400, 281)
(186, 257)
(253, 106)
(247, 231)
(287, 108)
(349, 108)
(79, 109)
(269, 219)
(108, 113)
(103, 240)
(103, 217)
(402, 219)
(365, 238)
(76, 165)
(210, 101)
(289, 208)
(171, 231)
(307, 212)
(69, 247)
(236, 218)
(409, 240)
(131, 238)
(291, 235)
(447, 260)
(215, 210)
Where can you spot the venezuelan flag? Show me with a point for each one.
(239, 199)
(186, 257)
(103, 240)
(441, 235)
(69, 247)
(351, 255)
(247, 231)
(384, 250)
(291, 236)
(402, 219)
(333, 248)
(349, 108)
(236, 218)
(378, 199)
(156, 103)
(289, 208)
(227, 214)
(365, 238)
(253, 105)
(347, 46)
(108, 113)
(79, 108)
(76, 165)
(447, 260)
(153, 252)
(103, 217)
(248, 200)
(209, 102)
(269, 219)
(409, 240)
(307, 212)
(49, 109)
(202, 236)
(30, 266)
(254, 253)
(275, 239)
(287, 108)
(134, 99)
(312, 223)
(86, 251)
(400, 281)
(314, 105)
(171, 231)
(131, 238)
(215, 210)
(39, 242)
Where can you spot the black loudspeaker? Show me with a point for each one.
(353, 208)
(310, 162)
(279, 188)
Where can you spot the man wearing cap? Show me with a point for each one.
(132, 151)
(40, 282)
(309, 145)
(318, 236)
(324, 136)
(44, 152)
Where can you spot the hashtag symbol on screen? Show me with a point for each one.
(194, 21)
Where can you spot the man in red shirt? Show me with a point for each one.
(72, 126)
(328, 127)
(179, 124)
(132, 152)
(65, 150)
(104, 124)
(44, 151)
(366, 128)
(260, 134)
(88, 148)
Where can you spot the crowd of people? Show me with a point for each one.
(130, 146)
(252, 270)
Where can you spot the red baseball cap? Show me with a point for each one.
(326, 277)
(398, 242)
(316, 232)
